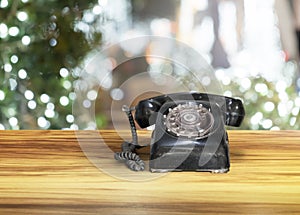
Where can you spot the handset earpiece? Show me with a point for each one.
(235, 112)
(146, 112)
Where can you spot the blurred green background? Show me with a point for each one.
(46, 44)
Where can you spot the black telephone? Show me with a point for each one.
(189, 132)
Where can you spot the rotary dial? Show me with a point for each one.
(189, 120)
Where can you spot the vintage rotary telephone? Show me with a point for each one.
(189, 132)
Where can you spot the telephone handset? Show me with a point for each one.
(189, 132)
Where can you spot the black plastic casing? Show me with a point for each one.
(169, 152)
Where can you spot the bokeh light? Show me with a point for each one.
(22, 74)
(26, 40)
(64, 101)
(38, 59)
(14, 59)
(92, 95)
(3, 30)
(44, 98)
(22, 16)
(29, 94)
(64, 72)
(13, 121)
(117, 94)
(269, 106)
(8, 67)
(31, 104)
(87, 103)
(49, 113)
(2, 95)
(13, 31)
(70, 118)
(43, 123)
(3, 3)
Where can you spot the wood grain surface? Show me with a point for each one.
(47, 172)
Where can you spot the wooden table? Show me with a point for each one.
(46, 172)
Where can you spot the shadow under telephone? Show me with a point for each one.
(189, 132)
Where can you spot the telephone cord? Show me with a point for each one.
(131, 159)
(127, 111)
(128, 155)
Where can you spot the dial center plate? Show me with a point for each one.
(189, 120)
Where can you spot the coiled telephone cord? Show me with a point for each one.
(131, 159)
(128, 155)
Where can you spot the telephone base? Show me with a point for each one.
(219, 171)
(214, 171)
(210, 154)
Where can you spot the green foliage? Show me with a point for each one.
(56, 42)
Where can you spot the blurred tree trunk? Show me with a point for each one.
(286, 24)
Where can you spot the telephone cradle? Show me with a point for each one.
(189, 132)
